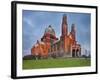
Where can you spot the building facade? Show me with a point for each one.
(50, 45)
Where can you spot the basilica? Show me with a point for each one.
(51, 46)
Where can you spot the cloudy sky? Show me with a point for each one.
(35, 22)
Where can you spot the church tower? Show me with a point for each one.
(64, 35)
(73, 31)
(64, 26)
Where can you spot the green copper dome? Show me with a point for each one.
(50, 30)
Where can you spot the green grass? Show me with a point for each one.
(56, 63)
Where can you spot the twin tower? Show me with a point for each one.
(65, 27)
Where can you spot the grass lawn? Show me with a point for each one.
(56, 63)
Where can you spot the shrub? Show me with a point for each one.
(28, 57)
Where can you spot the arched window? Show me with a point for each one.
(77, 53)
(73, 53)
